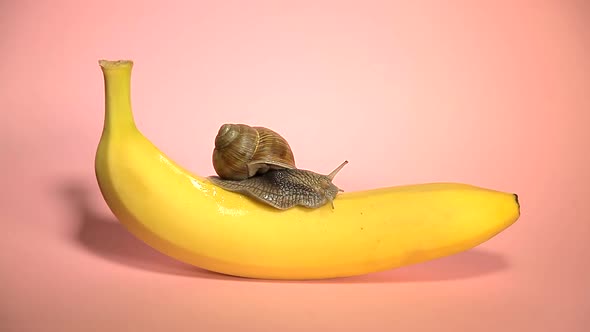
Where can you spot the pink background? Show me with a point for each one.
(493, 93)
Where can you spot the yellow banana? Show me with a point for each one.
(190, 219)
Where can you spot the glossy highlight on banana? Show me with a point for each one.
(189, 218)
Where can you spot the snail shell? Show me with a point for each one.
(286, 188)
(242, 151)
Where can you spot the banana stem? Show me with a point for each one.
(117, 81)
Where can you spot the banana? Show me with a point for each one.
(188, 218)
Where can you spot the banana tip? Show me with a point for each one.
(517, 202)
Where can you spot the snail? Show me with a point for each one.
(259, 163)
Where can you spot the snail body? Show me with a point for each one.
(259, 163)
(286, 188)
